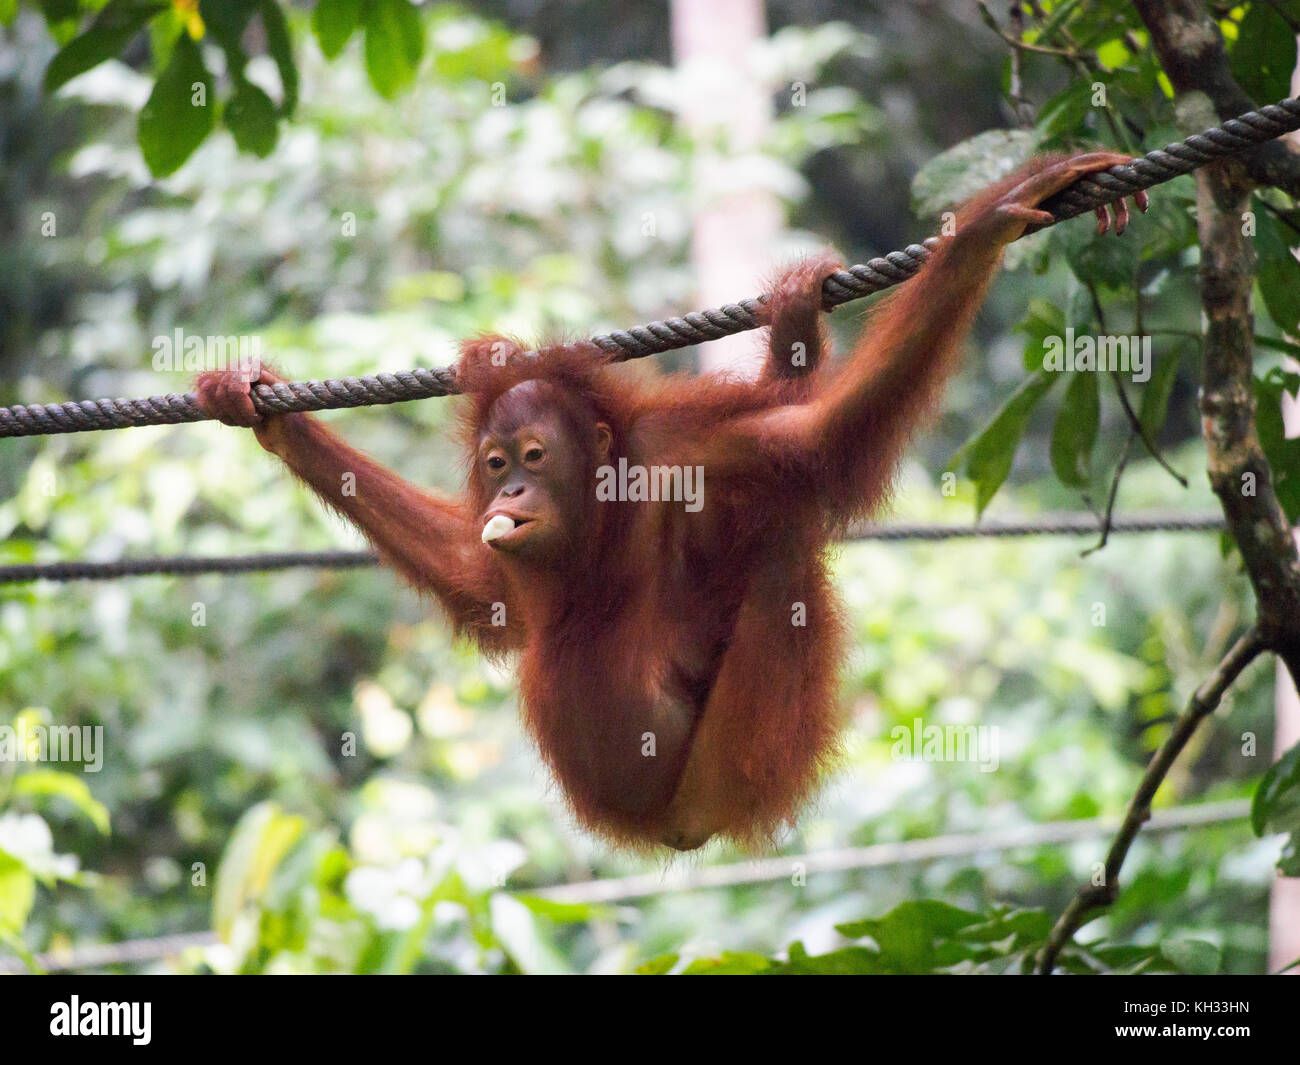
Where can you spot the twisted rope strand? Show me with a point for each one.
(1232, 138)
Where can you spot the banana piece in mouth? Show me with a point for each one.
(498, 525)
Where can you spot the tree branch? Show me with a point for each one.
(1108, 516)
(1203, 702)
(1135, 423)
(1191, 51)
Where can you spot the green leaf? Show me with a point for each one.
(938, 917)
(1058, 17)
(59, 10)
(847, 961)
(1278, 273)
(61, 17)
(281, 50)
(171, 124)
(1097, 259)
(1031, 925)
(908, 934)
(1126, 958)
(251, 116)
(970, 167)
(1192, 956)
(52, 783)
(483, 51)
(163, 33)
(987, 458)
(226, 21)
(566, 912)
(1064, 114)
(394, 45)
(103, 39)
(1278, 344)
(17, 893)
(1283, 453)
(1042, 320)
(1278, 793)
(258, 844)
(1264, 54)
(517, 930)
(1156, 392)
(1075, 432)
(334, 22)
(731, 963)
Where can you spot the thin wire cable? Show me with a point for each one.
(880, 855)
(189, 565)
(1231, 138)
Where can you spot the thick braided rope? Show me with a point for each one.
(44, 420)
(185, 565)
(1233, 137)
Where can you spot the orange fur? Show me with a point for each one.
(715, 631)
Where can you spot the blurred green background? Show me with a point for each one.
(225, 740)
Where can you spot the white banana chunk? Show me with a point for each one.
(498, 525)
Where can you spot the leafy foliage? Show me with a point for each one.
(1276, 807)
(174, 122)
(987, 459)
(180, 111)
(928, 938)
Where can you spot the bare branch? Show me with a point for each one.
(1203, 702)
(1108, 518)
